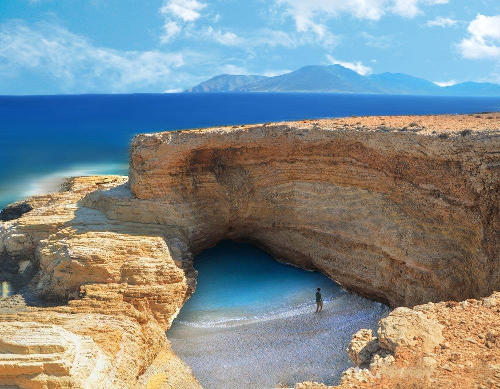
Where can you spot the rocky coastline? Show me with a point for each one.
(403, 210)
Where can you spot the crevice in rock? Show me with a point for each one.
(15, 211)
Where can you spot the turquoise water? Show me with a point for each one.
(252, 324)
(238, 281)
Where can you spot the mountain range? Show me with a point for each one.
(338, 79)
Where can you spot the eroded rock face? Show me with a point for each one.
(118, 287)
(383, 207)
(404, 210)
(444, 345)
(407, 328)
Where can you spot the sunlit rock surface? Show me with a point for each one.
(399, 209)
(459, 347)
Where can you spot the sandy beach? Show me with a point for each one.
(276, 350)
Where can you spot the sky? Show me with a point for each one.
(127, 46)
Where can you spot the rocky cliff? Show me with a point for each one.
(381, 205)
(400, 209)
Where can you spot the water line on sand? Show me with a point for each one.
(251, 322)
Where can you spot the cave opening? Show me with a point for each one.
(251, 322)
(15, 273)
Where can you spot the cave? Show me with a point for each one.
(252, 318)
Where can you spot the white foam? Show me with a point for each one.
(51, 182)
(225, 322)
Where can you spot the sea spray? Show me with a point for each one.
(5, 289)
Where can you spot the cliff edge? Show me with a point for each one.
(399, 209)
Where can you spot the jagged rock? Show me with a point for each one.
(362, 347)
(407, 356)
(405, 327)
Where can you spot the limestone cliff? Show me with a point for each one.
(400, 209)
(381, 205)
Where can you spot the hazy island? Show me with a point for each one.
(338, 79)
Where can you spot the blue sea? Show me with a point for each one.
(251, 322)
(45, 137)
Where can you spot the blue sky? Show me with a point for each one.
(120, 46)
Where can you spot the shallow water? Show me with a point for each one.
(251, 322)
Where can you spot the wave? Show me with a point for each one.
(51, 182)
(336, 303)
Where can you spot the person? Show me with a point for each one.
(319, 301)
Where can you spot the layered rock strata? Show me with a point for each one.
(101, 298)
(399, 209)
(383, 206)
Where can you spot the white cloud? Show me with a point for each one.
(441, 22)
(186, 10)
(265, 37)
(171, 29)
(484, 38)
(445, 83)
(77, 64)
(178, 14)
(274, 38)
(311, 15)
(357, 67)
(406, 8)
(224, 38)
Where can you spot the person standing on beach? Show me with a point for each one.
(319, 301)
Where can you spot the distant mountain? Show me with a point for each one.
(473, 89)
(338, 79)
(399, 83)
(225, 83)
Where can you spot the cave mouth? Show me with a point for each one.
(251, 322)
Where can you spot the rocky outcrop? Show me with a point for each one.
(443, 345)
(102, 295)
(402, 209)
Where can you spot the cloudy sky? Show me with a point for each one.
(120, 46)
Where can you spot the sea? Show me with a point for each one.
(43, 138)
(251, 323)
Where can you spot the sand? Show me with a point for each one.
(278, 350)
